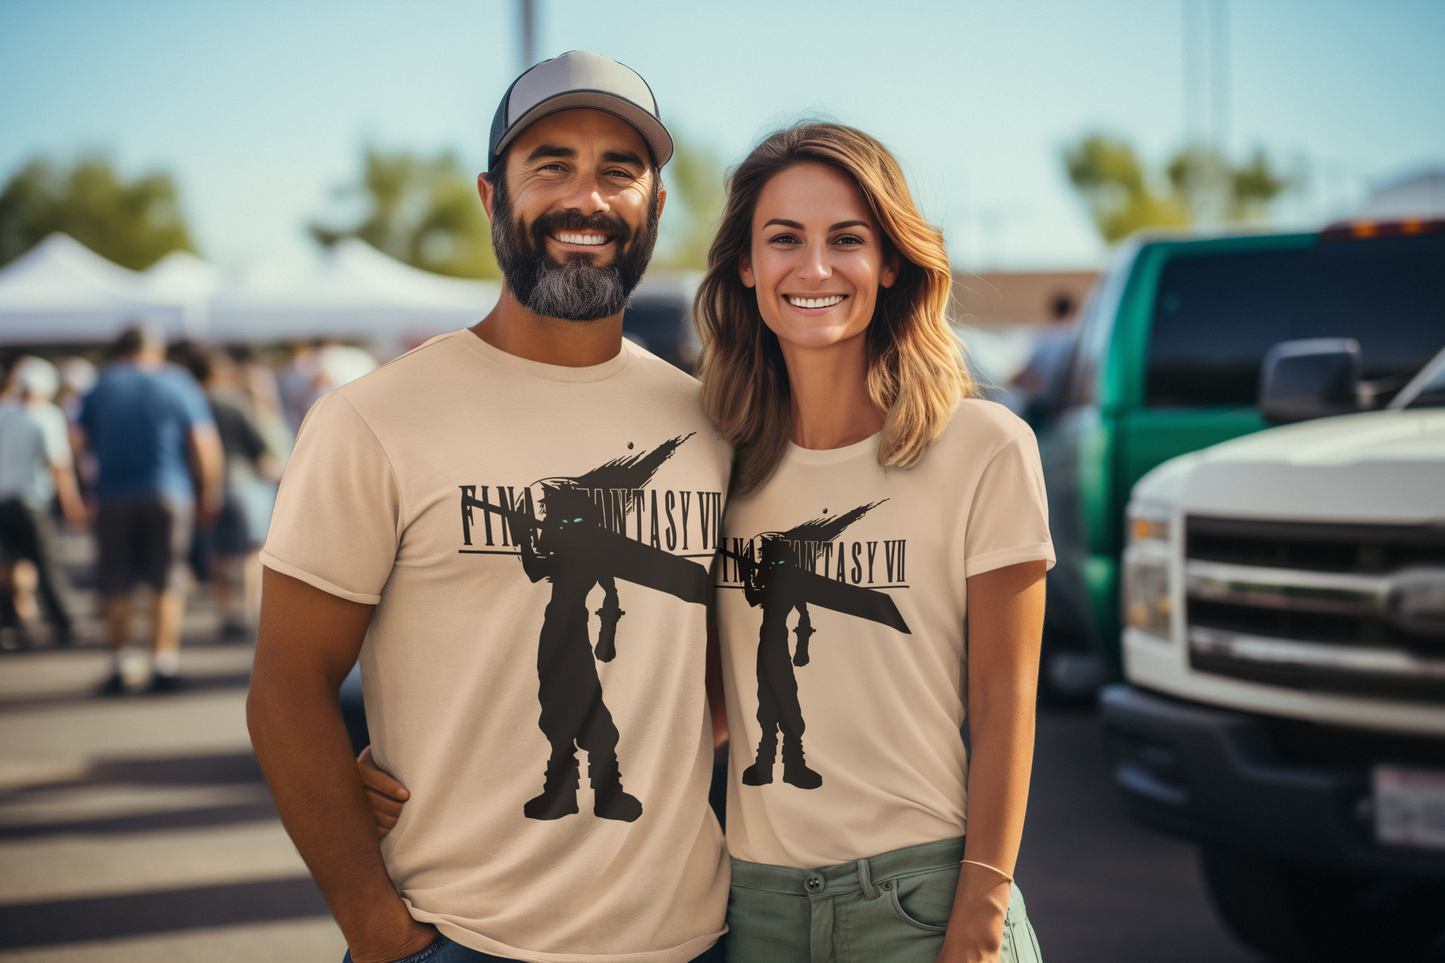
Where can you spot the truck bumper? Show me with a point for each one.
(1211, 775)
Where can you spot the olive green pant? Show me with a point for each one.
(891, 908)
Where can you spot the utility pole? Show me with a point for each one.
(1205, 63)
(526, 33)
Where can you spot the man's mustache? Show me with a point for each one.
(601, 222)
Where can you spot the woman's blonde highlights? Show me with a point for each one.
(916, 373)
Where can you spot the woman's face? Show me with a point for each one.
(817, 257)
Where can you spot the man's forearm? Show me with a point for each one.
(301, 743)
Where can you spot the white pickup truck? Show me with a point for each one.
(1284, 645)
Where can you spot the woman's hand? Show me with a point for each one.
(975, 928)
(384, 793)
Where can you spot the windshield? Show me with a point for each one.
(1215, 315)
(1432, 393)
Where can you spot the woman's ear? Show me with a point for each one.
(888, 274)
(745, 271)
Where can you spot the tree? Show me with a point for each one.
(695, 195)
(1107, 173)
(1199, 185)
(133, 223)
(424, 211)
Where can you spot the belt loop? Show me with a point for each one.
(865, 879)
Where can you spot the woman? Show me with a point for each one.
(881, 508)
(877, 509)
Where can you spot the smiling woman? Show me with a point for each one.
(827, 362)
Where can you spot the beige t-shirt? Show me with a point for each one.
(383, 503)
(878, 558)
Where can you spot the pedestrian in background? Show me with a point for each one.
(231, 547)
(37, 468)
(160, 471)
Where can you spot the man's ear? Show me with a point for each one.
(661, 197)
(485, 190)
(745, 271)
(888, 275)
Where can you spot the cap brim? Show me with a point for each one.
(651, 129)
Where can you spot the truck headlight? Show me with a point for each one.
(1146, 598)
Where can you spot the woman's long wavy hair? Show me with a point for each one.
(916, 373)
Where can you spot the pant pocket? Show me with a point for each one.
(1020, 942)
(905, 923)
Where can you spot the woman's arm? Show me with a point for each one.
(1005, 626)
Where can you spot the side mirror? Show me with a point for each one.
(1310, 378)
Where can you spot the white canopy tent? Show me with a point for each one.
(357, 292)
(62, 291)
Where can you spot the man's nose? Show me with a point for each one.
(586, 195)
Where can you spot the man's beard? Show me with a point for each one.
(576, 289)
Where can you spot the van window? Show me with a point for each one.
(1216, 315)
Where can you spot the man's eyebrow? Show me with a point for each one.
(551, 150)
(623, 157)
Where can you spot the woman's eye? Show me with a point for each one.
(848, 239)
(783, 239)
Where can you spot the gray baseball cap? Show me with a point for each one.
(578, 78)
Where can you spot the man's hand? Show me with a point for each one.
(385, 794)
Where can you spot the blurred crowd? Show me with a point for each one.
(162, 460)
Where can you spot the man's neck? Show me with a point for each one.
(510, 327)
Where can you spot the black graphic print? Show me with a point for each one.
(778, 571)
(578, 542)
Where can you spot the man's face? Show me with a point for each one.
(574, 217)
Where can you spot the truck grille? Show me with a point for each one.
(1357, 609)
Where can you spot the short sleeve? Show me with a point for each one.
(57, 435)
(1008, 521)
(194, 408)
(337, 523)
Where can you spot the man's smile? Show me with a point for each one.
(585, 240)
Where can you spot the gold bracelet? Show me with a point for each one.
(995, 869)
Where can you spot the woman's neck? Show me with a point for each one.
(829, 386)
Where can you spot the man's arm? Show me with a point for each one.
(1005, 627)
(307, 642)
(209, 461)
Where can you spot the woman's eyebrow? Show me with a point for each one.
(836, 227)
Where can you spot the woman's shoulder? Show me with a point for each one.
(977, 423)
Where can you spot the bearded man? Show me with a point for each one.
(405, 530)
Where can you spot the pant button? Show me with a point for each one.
(814, 882)
(888, 884)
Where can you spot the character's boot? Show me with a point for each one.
(795, 770)
(559, 790)
(760, 773)
(608, 799)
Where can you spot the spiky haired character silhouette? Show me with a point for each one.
(574, 548)
(779, 579)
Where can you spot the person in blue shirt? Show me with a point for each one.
(160, 473)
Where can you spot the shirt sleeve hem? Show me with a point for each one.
(316, 581)
(989, 561)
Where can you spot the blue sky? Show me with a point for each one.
(260, 108)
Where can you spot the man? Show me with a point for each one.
(454, 518)
(160, 473)
(36, 467)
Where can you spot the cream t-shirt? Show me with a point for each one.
(879, 559)
(384, 503)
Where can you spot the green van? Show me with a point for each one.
(1166, 361)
